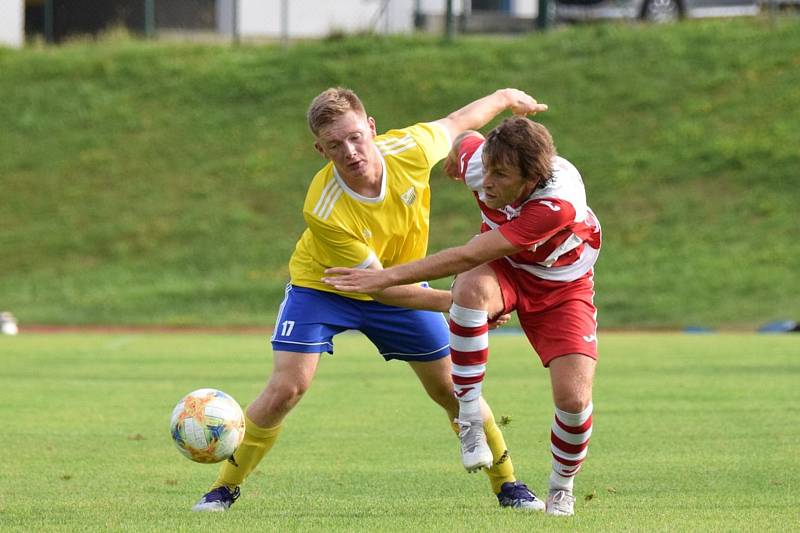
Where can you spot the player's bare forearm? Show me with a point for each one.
(415, 297)
(374, 281)
(481, 249)
(477, 114)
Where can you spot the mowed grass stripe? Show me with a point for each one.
(692, 433)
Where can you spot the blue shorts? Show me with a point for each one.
(309, 318)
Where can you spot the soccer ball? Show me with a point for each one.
(207, 426)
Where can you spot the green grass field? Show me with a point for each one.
(162, 183)
(692, 433)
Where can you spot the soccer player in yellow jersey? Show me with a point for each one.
(368, 208)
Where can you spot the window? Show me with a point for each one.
(492, 5)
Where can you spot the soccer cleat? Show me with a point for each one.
(560, 503)
(475, 452)
(517, 495)
(217, 500)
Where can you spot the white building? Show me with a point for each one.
(319, 18)
(12, 23)
(315, 18)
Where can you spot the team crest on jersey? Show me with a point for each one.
(510, 212)
(366, 233)
(409, 196)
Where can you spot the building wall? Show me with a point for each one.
(319, 18)
(12, 23)
(439, 7)
(525, 8)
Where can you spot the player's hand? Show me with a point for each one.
(499, 321)
(451, 164)
(454, 166)
(363, 280)
(521, 103)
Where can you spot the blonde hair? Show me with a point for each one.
(331, 104)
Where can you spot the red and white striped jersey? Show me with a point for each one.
(560, 232)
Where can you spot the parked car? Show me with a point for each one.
(652, 10)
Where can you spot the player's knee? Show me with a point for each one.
(294, 391)
(285, 393)
(443, 396)
(573, 403)
(471, 295)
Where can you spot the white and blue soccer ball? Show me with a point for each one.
(207, 425)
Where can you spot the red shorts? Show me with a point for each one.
(559, 318)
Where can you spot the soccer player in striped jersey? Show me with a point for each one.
(535, 254)
(368, 207)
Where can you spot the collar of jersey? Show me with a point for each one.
(359, 197)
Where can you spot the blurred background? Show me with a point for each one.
(57, 20)
(154, 154)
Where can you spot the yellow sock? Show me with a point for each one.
(502, 470)
(257, 442)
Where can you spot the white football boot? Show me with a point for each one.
(560, 503)
(475, 452)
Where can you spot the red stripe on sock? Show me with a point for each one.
(463, 331)
(567, 447)
(567, 462)
(470, 380)
(575, 430)
(478, 357)
(569, 473)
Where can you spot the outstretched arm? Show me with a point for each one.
(482, 249)
(418, 297)
(414, 297)
(477, 114)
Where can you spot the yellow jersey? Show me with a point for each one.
(351, 230)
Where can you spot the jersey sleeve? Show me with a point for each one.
(470, 162)
(538, 221)
(336, 247)
(433, 139)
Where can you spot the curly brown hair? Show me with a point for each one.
(524, 145)
(329, 105)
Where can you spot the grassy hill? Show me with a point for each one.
(155, 183)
